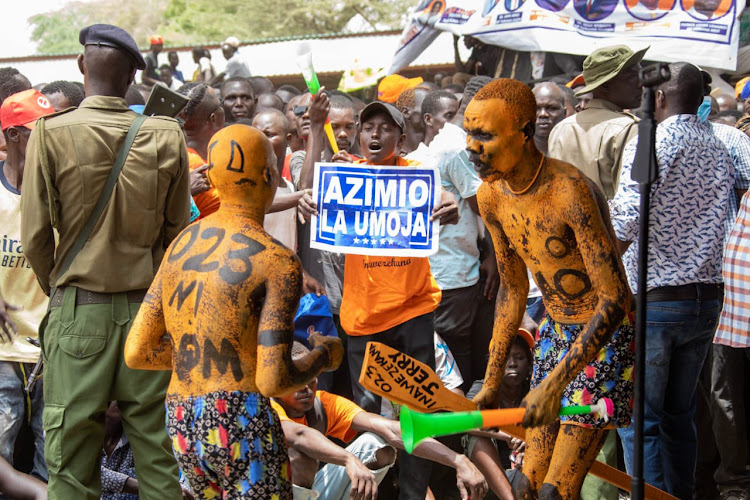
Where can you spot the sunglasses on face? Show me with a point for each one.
(299, 110)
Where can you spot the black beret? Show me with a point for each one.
(112, 36)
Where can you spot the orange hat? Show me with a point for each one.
(24, 108)
(527, 337)
(156, 40)
(391, 87)
(576, 82)
(739, 86)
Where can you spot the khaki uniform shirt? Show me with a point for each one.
(149, 206)
(593, 141)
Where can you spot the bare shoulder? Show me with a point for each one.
(569, 182)
(281, 258)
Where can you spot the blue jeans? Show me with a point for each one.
(678, 334)
(13, 404)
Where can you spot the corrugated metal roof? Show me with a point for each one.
(332, 52)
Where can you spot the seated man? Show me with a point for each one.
(545, 214)
(219, 314)
(309, 415)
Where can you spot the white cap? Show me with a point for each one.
(232, 41)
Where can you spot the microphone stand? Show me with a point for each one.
(644, 173)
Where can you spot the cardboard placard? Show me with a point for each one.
(404, 380)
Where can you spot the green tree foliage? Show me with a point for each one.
(188, 22)
(57, 32)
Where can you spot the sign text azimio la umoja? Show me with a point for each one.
(372, 210)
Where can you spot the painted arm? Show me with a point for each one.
(316, 140)
(471, 483)
(148, 346)
(509, 310)
(488, 266)
(277, 375)
(602, 262)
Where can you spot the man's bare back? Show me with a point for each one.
(220, 312)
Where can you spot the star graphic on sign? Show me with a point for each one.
(365, 241)
(356, 240)
(390, 241)
(383, 241)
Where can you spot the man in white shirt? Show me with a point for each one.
(235, 65)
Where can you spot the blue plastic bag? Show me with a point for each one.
(314, 314)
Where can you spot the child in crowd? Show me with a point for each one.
(502, 453)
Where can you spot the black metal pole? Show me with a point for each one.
(644, 173)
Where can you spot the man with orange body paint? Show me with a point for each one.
(545, 214)
(219, 314)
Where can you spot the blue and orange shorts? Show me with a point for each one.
(230, 445)
(609, 374)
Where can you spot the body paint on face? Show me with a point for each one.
(559, 229)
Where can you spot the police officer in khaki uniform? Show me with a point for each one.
(69, 159)
(593, 140)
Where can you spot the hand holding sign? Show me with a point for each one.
(385, 211)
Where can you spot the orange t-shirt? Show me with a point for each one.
(340, 413)
(208, 201)
(383, 292)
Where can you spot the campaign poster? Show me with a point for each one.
(704, 32)
(374, 210)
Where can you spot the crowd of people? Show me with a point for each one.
(165, 262)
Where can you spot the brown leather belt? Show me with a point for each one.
(693, 291)
(84, 297)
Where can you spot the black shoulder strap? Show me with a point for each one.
(104, 196)
(316, 417)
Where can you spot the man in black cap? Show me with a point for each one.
(401, 314)
(97, 295)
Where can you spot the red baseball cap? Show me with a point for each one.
(24, 108)
(156, 40)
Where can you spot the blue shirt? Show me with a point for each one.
(689, 202)
(738, 145)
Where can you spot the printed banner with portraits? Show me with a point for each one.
(705, 32)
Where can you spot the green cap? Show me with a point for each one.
(604, 64)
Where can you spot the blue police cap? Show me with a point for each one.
(112, 36)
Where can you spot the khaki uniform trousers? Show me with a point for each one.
(84, 369)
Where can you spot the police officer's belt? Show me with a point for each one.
(84, 297)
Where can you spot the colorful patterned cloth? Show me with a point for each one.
(734, 324)
(230, 445)
(609, 375)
